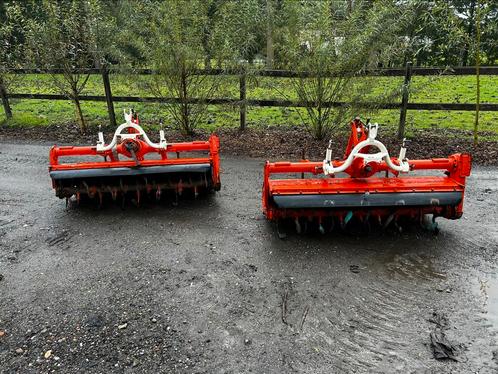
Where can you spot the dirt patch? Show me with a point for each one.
(293, 143)
(282, 143)
(206, 286)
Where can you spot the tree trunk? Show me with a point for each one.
(321, 98)
(269, 35)
(186, 127)
(207, 62)
(478, 64)
(79, 114)
(320, 131)
(408, 54)
(350, 7)
(470, 28)
(212, 10)
(5, 100)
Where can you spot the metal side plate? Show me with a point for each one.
(125, 171)
(368, 200)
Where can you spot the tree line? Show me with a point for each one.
(339, 38)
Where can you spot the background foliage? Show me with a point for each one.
(176, 37)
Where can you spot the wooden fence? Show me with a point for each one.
(408, 72)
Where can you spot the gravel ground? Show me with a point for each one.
(207, 286)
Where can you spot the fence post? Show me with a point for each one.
(108, 96)
(242, 97)
(404, 101)
(5, 100)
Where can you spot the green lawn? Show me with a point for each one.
(459, 89)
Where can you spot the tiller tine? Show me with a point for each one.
(131, 164)
(365, 187)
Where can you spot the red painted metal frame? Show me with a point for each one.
(109, 161)
(362, 179)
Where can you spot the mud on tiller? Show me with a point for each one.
(365, 188)
(131, 164)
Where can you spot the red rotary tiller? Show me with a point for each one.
(365, 187)
(131, 164)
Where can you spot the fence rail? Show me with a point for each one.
(243, 102)
(262, 103)
(386, 72)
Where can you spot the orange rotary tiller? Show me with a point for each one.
(364, 187)
(131, 164)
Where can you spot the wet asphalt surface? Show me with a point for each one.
(207, 286)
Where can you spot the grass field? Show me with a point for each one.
(447, 89)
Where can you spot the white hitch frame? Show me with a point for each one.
(119, 135)
(383, 155)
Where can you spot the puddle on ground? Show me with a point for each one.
(409, 265)
(487, 287)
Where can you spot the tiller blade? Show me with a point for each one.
(364, 187)
(132, 167)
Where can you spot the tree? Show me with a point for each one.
(70, 36)
(469, 11)
(244, 30)
(489, 32)
(209, 40)
(435, 36)
(336, 44)
(478, 63)
(443, 32)
(270, 55)
(175, 47)
(11, 46)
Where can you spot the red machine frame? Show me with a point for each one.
(362, 181)
(134, 146)
(212, 146)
